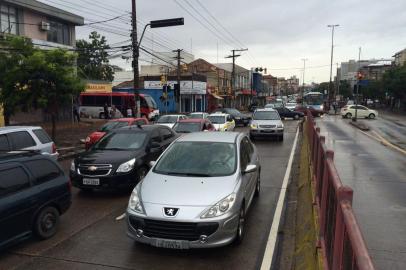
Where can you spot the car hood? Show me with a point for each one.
(106, 157)
(186, 191)
(266, 122)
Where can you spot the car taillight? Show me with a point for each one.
(53, 148)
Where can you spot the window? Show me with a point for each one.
(59, 33)
(121, 141)
(42, 136)
(155, 137)
(4, 146)
(249, 147)
(166, 133)
(43, 170)
(88, 101)
(117, 101)
(8, 19)
(13, 180)
(101, 100)
(21, 140)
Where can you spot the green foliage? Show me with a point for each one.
(93, 60)
(374, 90)
(345, 89)
(394, 82)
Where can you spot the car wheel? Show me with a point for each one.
(371, 116)
(141, 173)
(258, 186)
(348, 115)
(296, 117)
(46, 223)
(241, 226)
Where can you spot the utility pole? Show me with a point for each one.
(177, 89)
(233, 72)
(358, 77)
(330, 88)
(136, 78)
(304, 70)
(338, 78)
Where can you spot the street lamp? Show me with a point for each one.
(160, 24)
(332, 26)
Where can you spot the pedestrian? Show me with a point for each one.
(76, 116)
(129, 112)
(106, 111)
(113, 112)
(335, 107)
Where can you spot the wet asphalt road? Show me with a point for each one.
(377, 175)
(90, 237)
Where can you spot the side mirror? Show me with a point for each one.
(250, 168)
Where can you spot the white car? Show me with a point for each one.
(266, 123)
(222, 121)
(348, 111)
(170, 119)
(198, 115)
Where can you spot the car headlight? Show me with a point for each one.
(135, 202)
(126, 167)
(220, 208)
(254, 126)
(280, 126)
(321, 107)
(72, 166)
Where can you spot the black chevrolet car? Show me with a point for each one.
(239, 117)
(286, 113)
(121, 158)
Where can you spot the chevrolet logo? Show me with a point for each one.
(92, 168)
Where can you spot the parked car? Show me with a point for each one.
(222, 121)
(266, 123)
(121, 158)
(348, 111)
(198, 115)
(313, 111)
(239, 117)
(193, 125)
(113, 124)
(34, 192)
(169, 120)
(14, 138)
(287, 113)
(197, 194)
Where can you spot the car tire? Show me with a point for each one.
(258, 185)
(46, 222)
(348, 115)
(241, 226)
(141, 173)
(252, 138)
(371, 116)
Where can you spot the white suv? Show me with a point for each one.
(27, 138)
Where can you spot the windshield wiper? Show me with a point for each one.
(189, 174)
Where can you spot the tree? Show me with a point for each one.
(33, 78)
(93, 60)
(394, 82)
(345, 89)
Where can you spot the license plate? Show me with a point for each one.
(91, 181)
(268, 131)
(172, 244)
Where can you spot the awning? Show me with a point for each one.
(216, 96)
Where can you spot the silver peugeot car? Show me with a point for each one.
(197, 193)
(266, 123)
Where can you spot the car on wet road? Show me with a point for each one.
(240, 118)
(348, 111)
(193, 125)
(284, 112)
(266, 123)
(170, 120)
(222, 121)
(197, 194)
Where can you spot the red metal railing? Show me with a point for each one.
(341, 241)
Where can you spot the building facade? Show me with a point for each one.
(400, 58)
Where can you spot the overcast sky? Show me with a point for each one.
(278, 33)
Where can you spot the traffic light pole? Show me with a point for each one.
(233, 72)
(358, 78)
(177, 90)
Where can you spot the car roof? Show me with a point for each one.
(192, 120)
(11, 128)
(141, 128)
(265, 110)
(18, 155)
(172, 115)
(219, 114)
(198, 113)
(128, 119)
(226, 137)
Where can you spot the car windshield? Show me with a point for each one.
(206, 159)
(187, 127)
(150, 102)
(121, 141)
(266, 115)
(168, 119)
(215, 119)
(196, 116)
(233, 111)
(113, 125)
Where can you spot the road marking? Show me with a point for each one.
(120, 217)
(273, 234)
(387, 143)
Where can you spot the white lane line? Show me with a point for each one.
(120, 217)
(273, 234)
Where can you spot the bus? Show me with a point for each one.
(314, 100)
(92, 104)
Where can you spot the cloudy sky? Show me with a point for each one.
(278, 33)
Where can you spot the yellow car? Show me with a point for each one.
(222, 121)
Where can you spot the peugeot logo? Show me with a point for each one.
(170, 212)
(92, 168)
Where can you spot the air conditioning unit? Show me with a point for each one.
(45, 26)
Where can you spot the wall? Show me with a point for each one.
(33, 31)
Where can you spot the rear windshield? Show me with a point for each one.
(168, 119)
(113, 125)
(187, 127)
(121, 141)
(217, 119)
(42, 136)
(196, 116)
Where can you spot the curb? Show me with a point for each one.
(360, 126)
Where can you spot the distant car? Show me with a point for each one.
(287, 113)
(313, 111)
(198, 193)
(198, 115)
(34, 192)
(239, 117)
(14, 138)
(266, 123)
(121, 158)
(222, 121)
(193, 125)
(169, 120)
(113, 124)
(348, 111)
(291, 105)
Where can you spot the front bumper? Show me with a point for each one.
(242, 121)
(106, 182)
(266, 132)
(222, 231)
